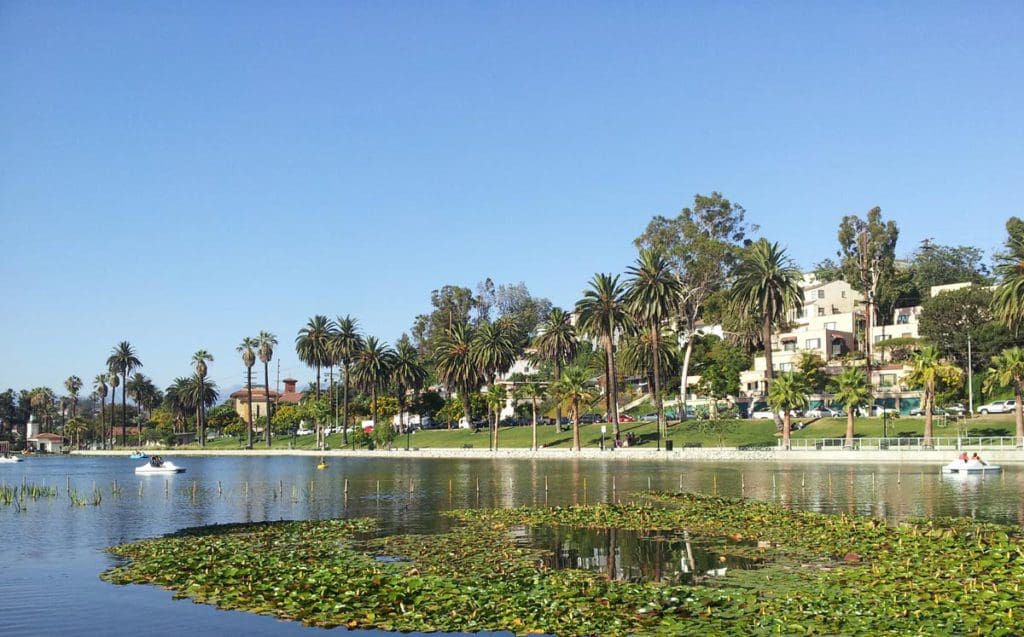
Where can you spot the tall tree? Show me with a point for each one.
(556, 344)
(267, 342)
(124, 360)
(312, 345)
(703, 244)
(1007, 370)
(406, 373)
(949, 319)
(247, 348)
(787, 393)
(852, 392)
(74, 385)
(452, 306)
(531, 388)
(372, 370)
(496, 397)
(934, 264)
(493, 352)
(199, 363)
(99, 385)
(867, 248)
(1008, 300)
(345, 344)
(767, 287)
(930, 372)
(653, 294)
(456, 367)
(113, 380)
(574, 389)
(602, 313)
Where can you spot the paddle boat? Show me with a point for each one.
(138, 455)
(322, 465)
(972, 466)
(5, 459)
(158, 466)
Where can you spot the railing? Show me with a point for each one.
(908, 443)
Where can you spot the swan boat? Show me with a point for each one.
(971, 467)
(138, 455)
(4, 459)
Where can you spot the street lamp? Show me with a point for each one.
(408, 434)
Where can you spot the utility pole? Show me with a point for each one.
(970, 378)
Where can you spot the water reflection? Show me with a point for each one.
(633, 556)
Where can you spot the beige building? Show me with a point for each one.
(259, 399)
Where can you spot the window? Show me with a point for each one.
(903, 319)
(887, 380)
(789, 346)
(880, 337)
(838, 347)
(821, 294)
(821, 311)
(786, 367)
(843, 294)
(812, 343)
(831, 325)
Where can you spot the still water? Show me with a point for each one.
(53, 550)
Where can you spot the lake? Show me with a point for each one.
(54, 550)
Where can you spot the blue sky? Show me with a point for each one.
(182, 175)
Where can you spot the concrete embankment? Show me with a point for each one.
(1004, 457)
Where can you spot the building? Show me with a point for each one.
(48, 443)
(259, 399)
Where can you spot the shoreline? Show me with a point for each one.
(1008, 457)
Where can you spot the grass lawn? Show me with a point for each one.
(726, 433)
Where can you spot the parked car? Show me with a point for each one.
(766, 414)
(302, 431)
(626, 418)
(824, 412)
(956, 409)
(651, 417)
(590, 418)
(919, 411)
(998, 407)
(877, 411)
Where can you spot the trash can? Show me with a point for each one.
(668, 445)
(818, 446)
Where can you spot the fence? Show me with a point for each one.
(987, 443)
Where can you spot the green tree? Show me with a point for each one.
(720, 371)
(811, 368)
(868, 250)
(456, 367)
(934, 264)
(313, 344)
(345, 344)
(766, 288)
(407, 373)
(452, 305)
(496, 397)
(286, 418)
(653, 294)
(556, 344)
(602, 314)
(703, 245)
(786, 394)
(247, 348)
(1008, 300)
(930, 372)
(74, 385)
(1007, 370)
(372, 370)
(124, 360)
(574, 389)
(198, 392)
(267, 343)
(948, 319)
(852, 392)
(531, 388)
(493, 352)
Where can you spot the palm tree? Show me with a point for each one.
(406, 373)
(99, 385)
(345, 344)
(247, 348)
(199, 361)
(177, 399)
(496, 398)
(312, 345)
(786, 394)
(74, 385)
(493, 352)
(636, 355)
(572, 389)
(114, 380)
(653, 295)
(455, 365)
(42, 404)
(930, 372)
(1007, 370)
(767, 286)
(556, 344)
(372, 369)
(602, 314)
(124, 360)
(1008, 298)
(532, 389)
(267, 341)
(137, 387)
(852, 391)
(198, 394)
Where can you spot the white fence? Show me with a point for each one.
(987, 443)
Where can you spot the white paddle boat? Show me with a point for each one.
(158, 466)
(972, 467)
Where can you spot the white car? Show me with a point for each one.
(998, 407)
(824, 412)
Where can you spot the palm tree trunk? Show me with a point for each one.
(266, 386)
(318, 381)
(849, 429)
(685, 375)
(103, 423)
(558, 406)
(344, 409)
(124, 410)
(466, 409)
(497, 417)
(658, 407)
(248, 384)
(533, 445)
(575, 425)
(373, 399)
(785, 430)
(113, 409)
(769, 372)
(199, 424)
(929, 398)
(613, 393)
(1019, 413)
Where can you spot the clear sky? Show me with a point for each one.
(182, 175)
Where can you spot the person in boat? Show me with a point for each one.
(963, 457)
(978, 458)
(156, 461)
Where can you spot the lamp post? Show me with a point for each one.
(885, 422)
(604, 428)
(408, 434)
